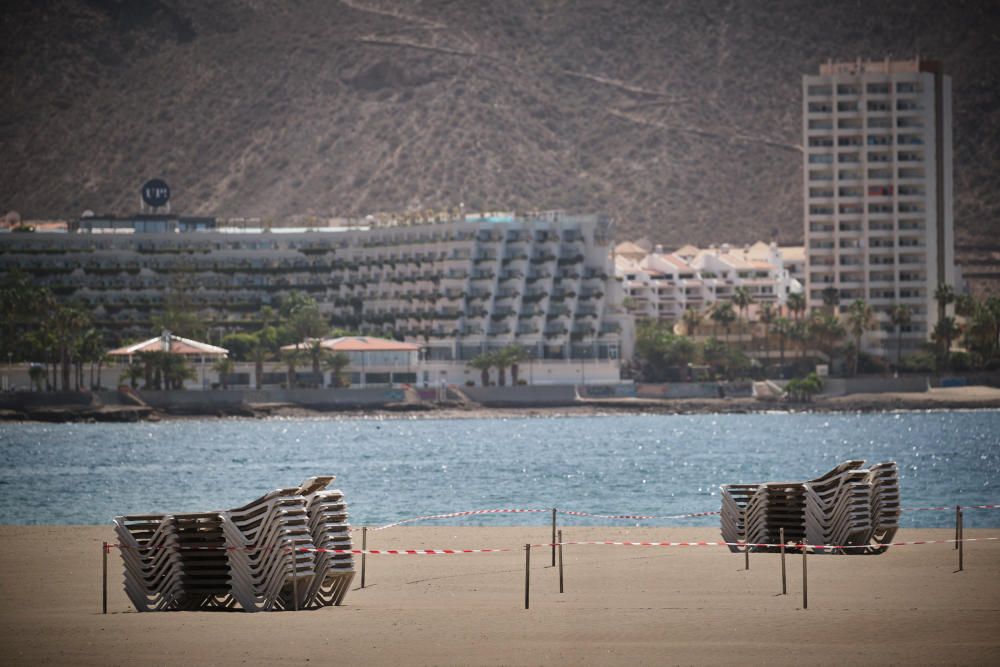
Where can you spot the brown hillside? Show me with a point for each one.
(682, 119)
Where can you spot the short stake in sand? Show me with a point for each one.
(958, 518)
(527, 574)
(784, 584)
(746, 557)
(554, 537)
(560, 563)
(104, 578)
(364, 548)
(805, 578)
(295, 584)
(961, 540)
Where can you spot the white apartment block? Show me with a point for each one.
(878, 189)
(662, 285)
(458, 287)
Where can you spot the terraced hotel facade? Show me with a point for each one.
(458, 287)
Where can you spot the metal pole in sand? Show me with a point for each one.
(554, 537)
(364, 548)
(805, 580)
(961, 539)
(295, 583)
(784, 584)
(958, 512)
(527, 574)
(746, 556)
(560, 563)
(104, 578)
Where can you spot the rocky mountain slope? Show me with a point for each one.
(680, 118)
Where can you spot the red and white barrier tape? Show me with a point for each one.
(401, 552)
(689, 515)
(743, 545)
(638, 516)
(698, 543)
(964, 507)
(455, 514)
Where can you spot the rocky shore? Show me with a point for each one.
(955, 398)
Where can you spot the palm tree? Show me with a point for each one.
(901, 316)
(799, 333)
(742, 300)
(982, 331)
(860, 319)
(831, 298)
(316, 355)
(134, 372)
(782, 327)
(828, 331)
(482, 363)
(92, 352)
(944, 333)
(514, 355)
(965, 305)
(796, 304)
(67, 323)
(766, 316)
(336, 363)
(292, 359)
(266, 315)
(944, 295)
(723, 314)
(37, 374)
(177, 371)
(259, 352)
(692, 318)
(224, 367)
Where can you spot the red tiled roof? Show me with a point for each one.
(358, 344)
(172, 344)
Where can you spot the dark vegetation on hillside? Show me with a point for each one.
(681, 119)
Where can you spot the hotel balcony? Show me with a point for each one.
(535, 276)
(542, 258)
(482, 275)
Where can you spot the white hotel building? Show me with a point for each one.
(662, 285)
(878, 189)
(458, 287)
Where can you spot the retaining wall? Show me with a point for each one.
(523, 395)
(679, 390)
(29, 399)
(223, 399)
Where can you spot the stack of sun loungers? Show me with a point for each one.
(267, 555)
(850, 506)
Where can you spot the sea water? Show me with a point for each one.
(393, 469)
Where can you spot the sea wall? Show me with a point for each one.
(223, 400)
(19, 400)
(874, 385)
(523, 395)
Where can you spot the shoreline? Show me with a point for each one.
(938, 399)
(622, 605)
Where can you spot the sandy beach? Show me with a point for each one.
(622, 605)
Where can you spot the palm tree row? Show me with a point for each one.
(508, 357)
(63, 338)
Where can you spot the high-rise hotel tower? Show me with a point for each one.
(878, 190)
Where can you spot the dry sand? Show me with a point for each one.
(622, 605)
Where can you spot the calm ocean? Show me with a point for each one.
(395, 469)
